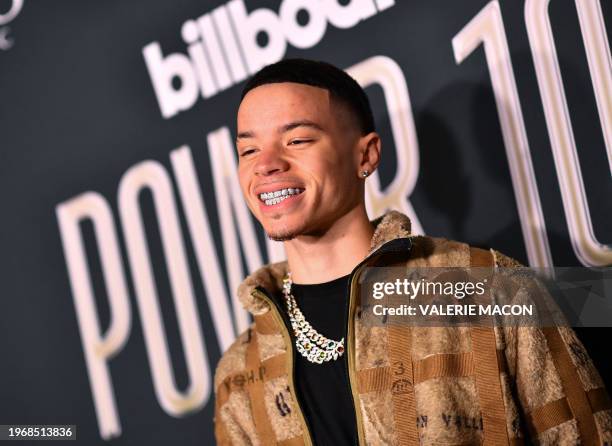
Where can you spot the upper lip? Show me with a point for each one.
(276, 185)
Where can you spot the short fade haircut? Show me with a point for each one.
(323, 75)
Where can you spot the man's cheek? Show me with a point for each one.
(244, 187)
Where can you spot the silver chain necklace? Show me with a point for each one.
(309, 342)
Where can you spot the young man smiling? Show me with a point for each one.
(308, 371)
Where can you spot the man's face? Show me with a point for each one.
(299, 148)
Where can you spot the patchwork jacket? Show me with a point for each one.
(419, 385)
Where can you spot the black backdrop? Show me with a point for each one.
(78, 109)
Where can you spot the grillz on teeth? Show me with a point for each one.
(271, 198)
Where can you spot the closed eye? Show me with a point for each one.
(299, 141)
(247, 152)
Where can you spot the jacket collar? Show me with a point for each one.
(390, 226)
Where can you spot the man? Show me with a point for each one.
(309, 371)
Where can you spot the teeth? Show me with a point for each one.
(271, 198)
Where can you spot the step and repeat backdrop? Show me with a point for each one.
(123, 232)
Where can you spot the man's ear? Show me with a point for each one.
(369, 154)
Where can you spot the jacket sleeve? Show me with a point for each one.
(228, 429)
(232, 417)
(561, 393)
(221, 436)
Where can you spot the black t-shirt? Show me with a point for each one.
(324, 388)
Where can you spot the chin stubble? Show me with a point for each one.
(281, 236)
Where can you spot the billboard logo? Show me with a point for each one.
(229, 43)
(6, 17)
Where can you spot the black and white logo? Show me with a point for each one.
(227, 44)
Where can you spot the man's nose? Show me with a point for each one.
(270, 161)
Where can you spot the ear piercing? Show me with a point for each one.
(365, 173)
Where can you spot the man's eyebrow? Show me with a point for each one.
(243, 135)
(301, 123)
(284, 128)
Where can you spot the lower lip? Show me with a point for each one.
(282, 206)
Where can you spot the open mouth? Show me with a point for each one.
(274, 197)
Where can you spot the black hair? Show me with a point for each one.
(318, 74)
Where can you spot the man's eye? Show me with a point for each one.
(247, 152)
(299, 141)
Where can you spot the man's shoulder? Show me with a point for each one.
(441, 251)
(504, 261)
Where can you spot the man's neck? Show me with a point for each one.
(318, 259)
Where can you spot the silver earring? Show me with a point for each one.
(365, 173)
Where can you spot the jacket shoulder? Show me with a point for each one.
(441, 251)
(505, 261)
(428, 251)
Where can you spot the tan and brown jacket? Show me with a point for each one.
(420, 385)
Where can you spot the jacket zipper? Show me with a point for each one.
(350, 351)
(350, 344)
(290, 362)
